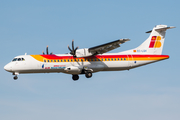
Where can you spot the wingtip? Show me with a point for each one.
(126, 39)
(172, 27)
(149, 31)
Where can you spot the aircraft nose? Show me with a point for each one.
(8, 67)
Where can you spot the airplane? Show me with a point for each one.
(95, 59)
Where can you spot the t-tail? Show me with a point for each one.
(154, 44)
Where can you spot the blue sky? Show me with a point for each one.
(149, 92)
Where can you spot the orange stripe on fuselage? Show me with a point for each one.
(149, 57)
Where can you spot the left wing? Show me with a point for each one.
(100, 49)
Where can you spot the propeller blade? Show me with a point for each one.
(47, 50)
(76, 49)
(73, 45)
(69, 48)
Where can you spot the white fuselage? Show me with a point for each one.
(66, 63)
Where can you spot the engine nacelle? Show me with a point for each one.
(83, 53)
(73, 70)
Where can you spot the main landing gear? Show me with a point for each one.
(88, 74)
(75, 77)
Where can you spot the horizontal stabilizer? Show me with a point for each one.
(161, 29)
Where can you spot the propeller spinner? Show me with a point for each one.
(73, 51)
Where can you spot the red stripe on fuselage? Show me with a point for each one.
(102, 56)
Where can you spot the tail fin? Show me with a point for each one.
(154, 44)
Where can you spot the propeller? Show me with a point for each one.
(73, 51)
(47, 51)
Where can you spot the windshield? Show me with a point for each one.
(18, 59)
(15, 59)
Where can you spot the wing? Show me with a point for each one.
(107, 47)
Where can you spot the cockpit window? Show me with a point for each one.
(18, 59)
(15, 59)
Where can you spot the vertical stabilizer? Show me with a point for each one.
(154, 44)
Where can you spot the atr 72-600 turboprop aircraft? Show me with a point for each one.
(95, 59)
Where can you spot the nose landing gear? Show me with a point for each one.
(15, 77)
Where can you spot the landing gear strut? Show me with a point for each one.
(75, 77)
(15, 77)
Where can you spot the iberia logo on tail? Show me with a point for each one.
(155, 42)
